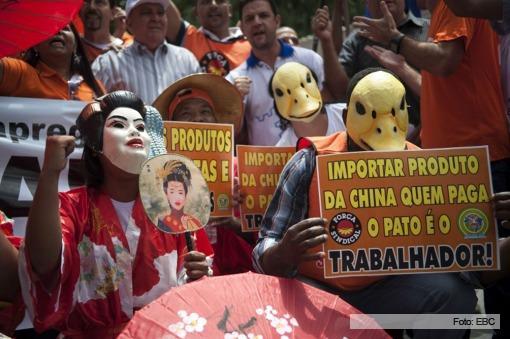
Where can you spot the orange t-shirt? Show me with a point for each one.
(92, 52)
(465, 108)
(127, 39)
(22, 80)
(216, 57)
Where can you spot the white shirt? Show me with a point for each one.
(234, 33)
(335, 124)
(146, 74)
(132, 232)
(264, 125)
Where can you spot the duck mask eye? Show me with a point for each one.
(360, 108)
(403, 103)
(308, 77)
(278, 92)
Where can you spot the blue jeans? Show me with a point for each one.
(435, 293)
(497, 297)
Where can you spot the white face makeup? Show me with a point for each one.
(125, 141)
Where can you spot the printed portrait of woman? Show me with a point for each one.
(176, 186)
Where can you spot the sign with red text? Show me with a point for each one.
(407, 212)
(259, 169)
(210, 146)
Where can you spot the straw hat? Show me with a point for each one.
(228, 103)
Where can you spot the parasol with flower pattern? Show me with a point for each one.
(247, 306)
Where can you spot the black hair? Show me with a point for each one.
(360, 75)
(90, 124)
(270, 89)
(112, 3)
(243, 3)
(179, 172)
(79, 63)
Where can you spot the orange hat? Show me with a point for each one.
(224, 98)
(185, 94)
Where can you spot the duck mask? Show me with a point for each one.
(377, 116)
(296, 94)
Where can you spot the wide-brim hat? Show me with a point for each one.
(228, 102)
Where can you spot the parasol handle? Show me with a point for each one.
(189, 241)
(315, 39)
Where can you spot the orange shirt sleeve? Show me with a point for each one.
(15, 73)
(445, 26)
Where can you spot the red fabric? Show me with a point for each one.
(465, 108)
(101, 282)
(232, 253)
(251, 304)
(6, 226)
(11, 314)
(24, 23)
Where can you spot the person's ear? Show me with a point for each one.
(278, 20)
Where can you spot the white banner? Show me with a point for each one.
(24, 125)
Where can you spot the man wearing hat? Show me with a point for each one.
(150, 64)
(212, 99)
(201, 98)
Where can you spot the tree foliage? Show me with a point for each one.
(295, 13)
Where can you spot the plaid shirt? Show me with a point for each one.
(289, 204)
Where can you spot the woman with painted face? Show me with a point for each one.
(176, 185)
(54, 69)
(91, 256)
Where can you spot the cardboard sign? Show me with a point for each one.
(259, 169)
(407, 212)
(210, 146)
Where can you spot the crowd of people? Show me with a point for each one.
(90, 257)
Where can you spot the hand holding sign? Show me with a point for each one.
(57, 150)
(294, 246)
(501, 204)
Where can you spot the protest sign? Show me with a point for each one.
(259, 169)
(210, 146)
(24, 125)
(407, 212)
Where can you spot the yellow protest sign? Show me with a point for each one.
(408, 211)
(210, 146)
(259, 169)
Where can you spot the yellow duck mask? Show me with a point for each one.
(377, 116)
(295, 91)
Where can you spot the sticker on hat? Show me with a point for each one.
(174, 194)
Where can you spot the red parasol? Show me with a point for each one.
(24, 23)
(246, 305)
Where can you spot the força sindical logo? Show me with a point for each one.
(345, 228)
